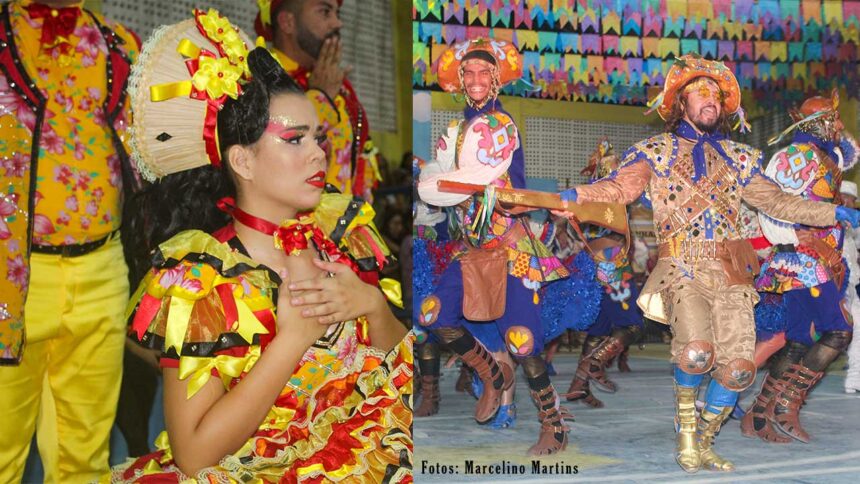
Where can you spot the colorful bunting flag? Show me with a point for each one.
(614, 51)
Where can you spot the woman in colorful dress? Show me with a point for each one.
(282, 361)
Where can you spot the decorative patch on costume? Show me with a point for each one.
(697, 357)
(430, 308)
(745, 159)
(520, 340)
(498, 138)
(795, 166)
(531, 285)
(620, 293)
(824, 189)
(420, 335)
(736, 375)
(658, 151)
(785, 271)
(520, 264)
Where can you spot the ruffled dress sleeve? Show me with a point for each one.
(207, 308)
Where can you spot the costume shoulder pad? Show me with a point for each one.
(744, 158)
(658, 151)
(492, 138)
(200, 298)
(348, 222)
(794, 167)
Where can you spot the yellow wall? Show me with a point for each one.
(393, 145)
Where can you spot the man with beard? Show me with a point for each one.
(493, 282)
(806, 266)
(305, 35)
(696, 178)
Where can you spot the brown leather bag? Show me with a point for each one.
(485, 277)
(739, 261)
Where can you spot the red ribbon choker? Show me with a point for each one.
(293, 236)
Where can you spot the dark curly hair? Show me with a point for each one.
(187, 200)
(676, 114)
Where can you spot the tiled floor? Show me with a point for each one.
(631, 439)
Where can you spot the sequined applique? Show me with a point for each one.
(660, 151)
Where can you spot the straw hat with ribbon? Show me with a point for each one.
(184, 75)
(689, 67)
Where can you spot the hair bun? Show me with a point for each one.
(267, 70)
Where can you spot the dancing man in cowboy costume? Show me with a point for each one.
(619, 322)
(702, 285)
(485, 149)
(806, 266)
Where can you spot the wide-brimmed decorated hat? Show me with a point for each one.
(184, 75)
(689, 67)
(812, 109)
(504, 54)
(602, 161)
(815, 105)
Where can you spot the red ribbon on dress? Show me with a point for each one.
(293, 238)
(228, 206)
(59, 22)
(210, 122)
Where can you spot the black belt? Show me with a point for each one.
(73, 250)
(785, 248)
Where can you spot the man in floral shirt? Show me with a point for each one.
(63, 169)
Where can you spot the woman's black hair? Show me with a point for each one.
(187, 200)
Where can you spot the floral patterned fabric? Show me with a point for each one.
(79, 181)
(56, 97)
(344, 414)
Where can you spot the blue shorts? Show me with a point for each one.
(813, 311)
(614, 315)
(519, 328)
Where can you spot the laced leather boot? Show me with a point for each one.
(758, 420)
(579, 390)
(430, 396)
(496, 376)
(793, 386)
(553, 430)
(599, 358)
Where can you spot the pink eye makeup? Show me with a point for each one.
(286, 130)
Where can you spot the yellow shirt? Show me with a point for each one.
(79, 180)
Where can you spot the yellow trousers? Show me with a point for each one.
(67, 385)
